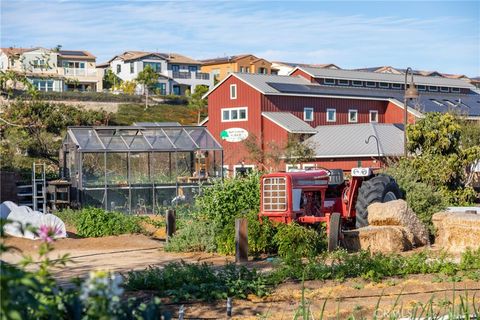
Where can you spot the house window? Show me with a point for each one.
(132, 67)
(331, 115)
(292, 167)
(39, 63)
(329, 81)
(433, 88)
(225, 171)
(308, 114)
(262, 71)
(309, 166)
(455, 90)
(43, 85)
(234, 114)
(156, 66)
(192, 68)
(357, 83)
(242, 69)
(247, 69)
(176, 90)
(243, 169)
(421, 88)
(373, 116)
(119, 68)
(175, 67)
(352, 115)
(396, 86)
(443, 89)
(371, 84)
(233, 91)
(343, 82)
(384, 85)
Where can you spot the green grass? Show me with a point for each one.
(130, 113)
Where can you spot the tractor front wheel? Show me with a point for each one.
(381, 188)
(334, 232)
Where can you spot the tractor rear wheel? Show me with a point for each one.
(334, 232)
(381, 188)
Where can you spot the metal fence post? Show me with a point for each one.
(241, 240)
(171, 222)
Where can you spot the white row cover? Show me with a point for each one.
(23, 216)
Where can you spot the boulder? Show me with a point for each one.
(397, 213)
(378, 239)
(455, 231)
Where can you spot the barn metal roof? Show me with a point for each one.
(348, 141)
(141, 139)
(384, 77)
(466, 104)
(289, 122)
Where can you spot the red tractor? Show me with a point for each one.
(324, 196)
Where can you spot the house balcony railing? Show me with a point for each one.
(80, 72)
(189, 75)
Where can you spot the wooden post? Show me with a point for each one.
(241, 240)
(170, 218)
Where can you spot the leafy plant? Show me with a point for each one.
(295, 242)
(195, 235)
(95, 222)
(186, 282)
(225, 201)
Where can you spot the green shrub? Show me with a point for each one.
(295, 242)
(95, 222)
(260, 235)
(89, 96)
(225, 201)
(184, 281)
(424, 199)
(195, 235)
(69, 216)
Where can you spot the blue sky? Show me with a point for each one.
(428, 35)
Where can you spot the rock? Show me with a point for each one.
(378, 239)
(455, 232)
(397, 213)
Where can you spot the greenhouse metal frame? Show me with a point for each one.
(139, 169)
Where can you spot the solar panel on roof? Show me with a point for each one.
(73, 53)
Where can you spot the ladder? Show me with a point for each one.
(39, 178)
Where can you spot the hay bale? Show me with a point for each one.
(397, 213)
(382, 239)
(455, 232)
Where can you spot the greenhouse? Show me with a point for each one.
(139, 169)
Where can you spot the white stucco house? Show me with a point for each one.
(53, 70)
(177, 73)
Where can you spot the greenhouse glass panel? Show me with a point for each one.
(142, 200)
(114, 143)
(184, 165)
(164, 198)
(117, 169)
(139, 168)
(137, 142)
(161, 166)
(158, 140)
(180, 139)
(87, 139)
(93, 169)
(118, 200)
(203, 139)
(93, 198)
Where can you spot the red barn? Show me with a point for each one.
(255, 114)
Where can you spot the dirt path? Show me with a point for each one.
(134, 252)
(116, 253)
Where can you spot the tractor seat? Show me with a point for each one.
(336, 177)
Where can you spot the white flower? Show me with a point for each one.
(102, 284)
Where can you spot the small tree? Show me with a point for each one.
(147, 78)
(297, 150)
(111, 80)
(195, 100)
